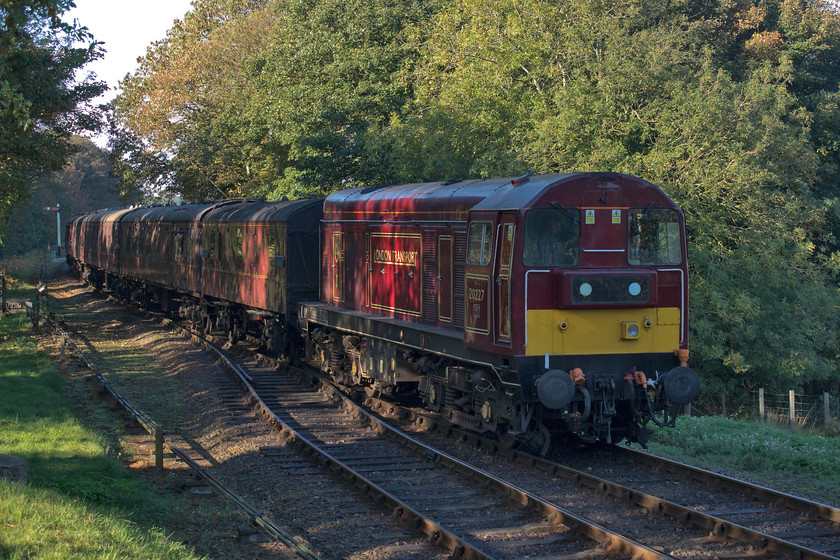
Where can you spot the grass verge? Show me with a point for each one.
(81, 501)
(798, 462)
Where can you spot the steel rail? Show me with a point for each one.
(270, 528)
(717, 526)
(822, 511)
(435, 532)
(257, 518)
(611, 542)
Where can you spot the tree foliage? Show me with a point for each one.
(41, 103)
(85, 183)
(732, 107)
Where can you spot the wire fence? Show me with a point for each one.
(792, 409)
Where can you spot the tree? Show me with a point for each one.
(41, 104)
(330, 82)
(84, 184)
(731, 107)
(265, 98)
(184, 121)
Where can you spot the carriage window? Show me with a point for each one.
(552, 237)
(480, 243)
(209, 236)
(140, 240)
(179, 246)
(654, 237)
(272, 251)
(239, 240)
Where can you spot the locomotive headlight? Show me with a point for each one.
(629, 330)
(585, 289)
(635, 289)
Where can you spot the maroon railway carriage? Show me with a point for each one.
(92, 243)
(260, 259)
(234, 265)
(521, 306)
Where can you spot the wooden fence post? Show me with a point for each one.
(723, 404)
(827, 407)
(761, 405)
(792, 409)
(158, 448)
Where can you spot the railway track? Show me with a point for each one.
(219, 431)
(458, 506)
(693, 501)
(541, 508)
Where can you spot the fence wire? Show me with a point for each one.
(809, 410)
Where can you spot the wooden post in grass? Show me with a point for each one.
(761, 405)
(158, 448)
(2, 291)
(723, 404)
(827, 407)
(792, 410)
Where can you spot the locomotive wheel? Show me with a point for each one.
(546, 440)
(540, 440)
(235, 333)
(509, 441)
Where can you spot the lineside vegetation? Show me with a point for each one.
(732, 107)
(80, 500)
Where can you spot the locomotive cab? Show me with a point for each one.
(605, 308)
(525, 307)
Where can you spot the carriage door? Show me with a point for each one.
(338, 266)
(502, 286)
(445, 279)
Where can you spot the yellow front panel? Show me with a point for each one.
(599, 331)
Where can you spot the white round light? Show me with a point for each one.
(585, 289)
(635, 289)
(632, 331)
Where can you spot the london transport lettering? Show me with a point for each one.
(389, 256)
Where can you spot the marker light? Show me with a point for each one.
(629, 330)
(585, 289)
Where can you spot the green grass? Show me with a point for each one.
(18, 289)
(81, 501)
(798, 462)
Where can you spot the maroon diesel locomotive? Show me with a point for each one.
(524, 307)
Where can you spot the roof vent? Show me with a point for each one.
(521, 180)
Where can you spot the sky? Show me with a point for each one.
(126, 27)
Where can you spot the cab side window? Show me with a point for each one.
(654, 237)
(480, 243)
(552, 237)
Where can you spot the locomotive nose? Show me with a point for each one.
(682, 385)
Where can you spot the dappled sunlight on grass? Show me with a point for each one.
(46, 524)
(80, 500)
(796, 461)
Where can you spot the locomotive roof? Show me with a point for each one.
(453, 200)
